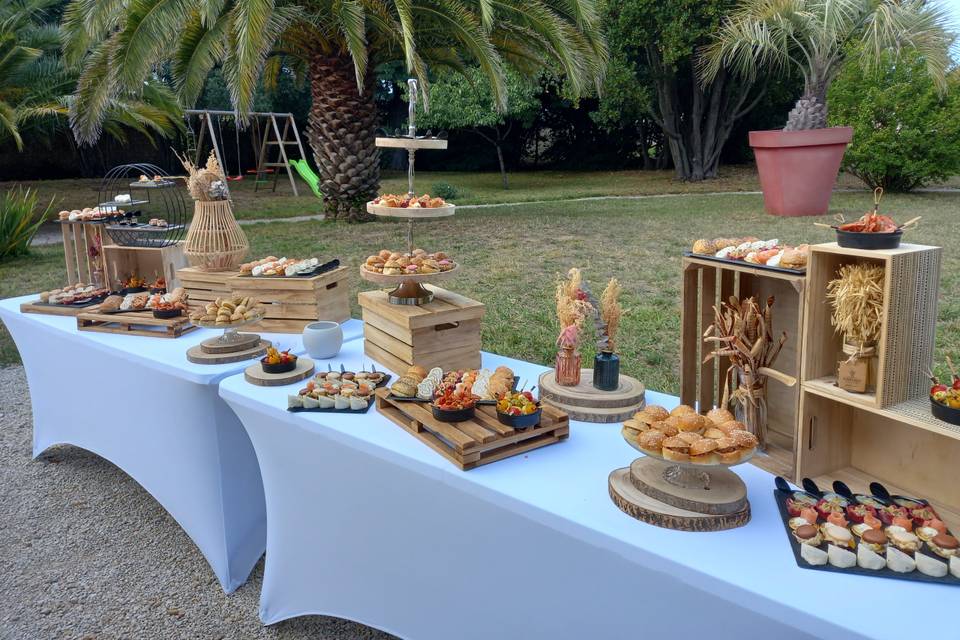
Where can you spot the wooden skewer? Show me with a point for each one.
(823, 224)
(910, 223)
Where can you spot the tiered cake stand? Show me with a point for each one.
(409, 289)
(678, 495)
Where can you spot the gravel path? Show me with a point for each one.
(86, 553)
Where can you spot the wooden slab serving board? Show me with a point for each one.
(198, 354)
(137, 324)
(53, 309)
(475, 442)
(589, 404)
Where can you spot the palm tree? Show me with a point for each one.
(36, 90)
(815, 37)
(337, 45)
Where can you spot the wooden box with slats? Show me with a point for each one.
(443, 333)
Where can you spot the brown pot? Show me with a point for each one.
(799, 168)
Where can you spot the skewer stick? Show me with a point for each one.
(823, 224)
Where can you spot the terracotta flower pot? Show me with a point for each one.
(799, 168)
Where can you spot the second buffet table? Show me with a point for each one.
(365, 522)
(139, 403)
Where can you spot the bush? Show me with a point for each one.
(446, 191)
(19, 221)
(905, 133)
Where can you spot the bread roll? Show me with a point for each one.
(718, 416)
(682, 409)
(652, 413)
(691, 422)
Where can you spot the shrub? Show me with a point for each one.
(446, 191)
(905, 133)
(19, 221)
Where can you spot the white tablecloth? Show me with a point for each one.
(139, 403)
(367, 523)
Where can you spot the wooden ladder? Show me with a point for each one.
(279, 140)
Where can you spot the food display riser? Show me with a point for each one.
(898, 446)
(147, 262)
(707, 283)
(205, 286)
(78, 238)
(475, 442)
(443, 333)
(905, 347)
(292, 303)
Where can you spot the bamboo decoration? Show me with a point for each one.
(743, 332)
(215, 241)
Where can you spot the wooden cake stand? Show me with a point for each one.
(232, 346)
(408, 288)
(687, 497)
(587, 403)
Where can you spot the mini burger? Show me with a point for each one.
(944, 545)
(808, 534)
(744, 439)
(676, 449)
(651, 440)
(681, 410)
(669, 426)
(691, 423)
(727, 451)
(713, 433)
(703, 451)
(731, 426)
(651, 414)
(632, 429)
(719, 416)
(875, 540)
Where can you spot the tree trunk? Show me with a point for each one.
(341, 132)
(503, 167)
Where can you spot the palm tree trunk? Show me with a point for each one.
(341, 133)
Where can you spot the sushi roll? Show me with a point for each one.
(294, 402)
(310, 402)
(358, 402)
(899, 561)
(326, 402)
(869, 559)
(341, 402)
(930, 566)
(840, 557)
(813, 555)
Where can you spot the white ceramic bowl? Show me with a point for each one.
(322, 339)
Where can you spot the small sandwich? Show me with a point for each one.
(651, 441)
(793, 259)
(944, 545)
(718, 416)
(669, 426)
(839, 536)
(690, 437)
(903, 539)
(744, 439)
(651, 415)
(704, 247)
(731, 426)
(727, 451)
(417, 372)
(691, 423)
(631, 429)
(807, 534)
(713, 433)
(703, 451)
(676, 449)
(682, 409)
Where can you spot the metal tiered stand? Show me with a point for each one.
(409, 289)
(154, 199)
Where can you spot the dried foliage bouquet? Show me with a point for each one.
(206, 183)
(573, 307)
(857, 300)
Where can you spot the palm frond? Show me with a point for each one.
(201, 45)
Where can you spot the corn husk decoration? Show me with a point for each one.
(742, 332)
(857, 300)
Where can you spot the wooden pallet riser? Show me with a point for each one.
(476, 442)
(137, 324)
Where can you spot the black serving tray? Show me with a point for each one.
(373, 401)
(74, 305)
(320, 268)
(780, 496)
(744, 263)
(945, 413)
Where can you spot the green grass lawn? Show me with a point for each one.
(477, 188)
(511, 256)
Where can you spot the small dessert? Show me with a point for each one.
(837, 535)
(808, 535)
(944, 545)
(798, 521)
(277, 361)
(799, 500)
(830, 503)
(857, 512)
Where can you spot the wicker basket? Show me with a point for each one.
(215, 241)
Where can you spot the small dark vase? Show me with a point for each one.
(606, 371)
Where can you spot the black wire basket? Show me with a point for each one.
(155, 215)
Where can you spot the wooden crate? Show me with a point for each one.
(706, 283)
(293, 303)
(903, 446)
(134, 323)
(444, 333)
(147, 262)
(475, 442)
(205, 286)
(78, 238)
(905, 348)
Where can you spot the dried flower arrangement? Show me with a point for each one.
(207, 183)
(610, 313)
(742, 331)
(857, 300)
(573, 307)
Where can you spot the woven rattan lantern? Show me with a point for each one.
(215, 241)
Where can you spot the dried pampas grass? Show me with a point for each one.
(611, 311)
(200, 181)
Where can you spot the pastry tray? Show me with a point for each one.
(516, 380)
(914, 576)
(320, 268)
(387, 377)
(744, 263)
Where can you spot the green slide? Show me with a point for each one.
(308, 175)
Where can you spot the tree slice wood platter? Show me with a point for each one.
(254, 374)
(638, 505)
(406, 212)
(589, 404)
(197, 355)
(721, 493)
(244, 341)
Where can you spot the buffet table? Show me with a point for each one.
(366, 523)
(139, 403)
